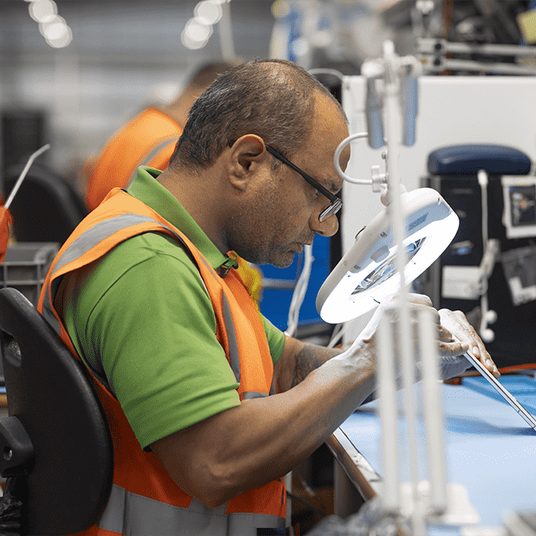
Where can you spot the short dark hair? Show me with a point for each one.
(271, 98)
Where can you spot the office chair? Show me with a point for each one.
(56, 446)
(46, 208)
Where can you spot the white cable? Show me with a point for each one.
(487, 316)
(351, 349)
(483, 182)
(22, 176)
(299, 292)
(332, 72)
(482, 177)
(338, 332)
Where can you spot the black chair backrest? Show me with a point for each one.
(46, 208)
(51, 394)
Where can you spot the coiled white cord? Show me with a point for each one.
(337, 157)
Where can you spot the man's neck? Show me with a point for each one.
(200, 201)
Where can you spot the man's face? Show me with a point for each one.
(285, 215)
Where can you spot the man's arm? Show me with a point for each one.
(298, 360)
(264, 438)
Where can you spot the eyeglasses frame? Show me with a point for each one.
(336, 202)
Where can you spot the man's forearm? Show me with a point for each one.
(298, 361)
(264, 438)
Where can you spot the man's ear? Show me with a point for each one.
(247, 155)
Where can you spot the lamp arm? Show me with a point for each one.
(337, 157)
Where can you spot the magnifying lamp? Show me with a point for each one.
(367, 272)
(425, 224)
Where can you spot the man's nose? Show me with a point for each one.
(328, 227)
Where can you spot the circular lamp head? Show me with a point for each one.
(368, 271)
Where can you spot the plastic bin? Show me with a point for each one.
(25, 266)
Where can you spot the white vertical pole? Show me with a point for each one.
(393, 134)
(388, 415)
(405, 319)
(433, 414)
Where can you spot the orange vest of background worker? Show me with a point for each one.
(138, 475)
(147, 140)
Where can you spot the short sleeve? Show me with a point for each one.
(154, 329)
(276, 339)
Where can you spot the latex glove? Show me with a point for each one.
(392, 301)
(451, 348)
(390, 305)
(455, 326)
(452, 367)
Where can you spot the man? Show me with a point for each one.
(209, 405)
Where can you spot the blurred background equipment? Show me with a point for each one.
(470, 276)
(46, 208)
(6, 218)
(453, 111)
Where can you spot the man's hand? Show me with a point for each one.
(392, 302)
(455, 327)
(455, 335)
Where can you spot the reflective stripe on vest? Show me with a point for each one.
(96, 234)
(135, 515)
(80, 247)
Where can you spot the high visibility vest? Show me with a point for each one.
(144, 499)
(148, 140)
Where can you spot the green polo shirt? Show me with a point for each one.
(142, 318)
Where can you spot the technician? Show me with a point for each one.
(210, 405)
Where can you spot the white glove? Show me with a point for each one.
(455, 324)
(450, 367)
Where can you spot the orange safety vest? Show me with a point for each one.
(148, 140)
(144, 499)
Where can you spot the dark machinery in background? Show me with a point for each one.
(474, 21)
(47, 208)
(489, 260)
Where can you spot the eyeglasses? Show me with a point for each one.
(336, 202)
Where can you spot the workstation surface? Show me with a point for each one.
(490, 451)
